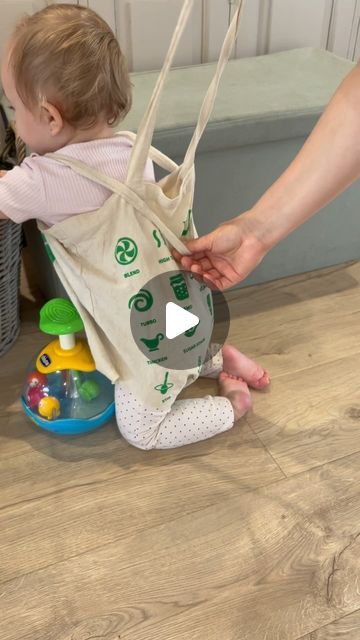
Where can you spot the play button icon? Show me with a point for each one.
(178, 320)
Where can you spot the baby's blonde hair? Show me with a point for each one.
(68, 55)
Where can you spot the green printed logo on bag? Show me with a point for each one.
(159, 238)
(142, 301)
(126, 251)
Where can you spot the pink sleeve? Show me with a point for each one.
(22, 194)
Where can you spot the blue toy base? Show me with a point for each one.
(71, 426)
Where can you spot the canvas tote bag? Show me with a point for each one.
(104, 258)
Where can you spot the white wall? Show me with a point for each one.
(144, 27)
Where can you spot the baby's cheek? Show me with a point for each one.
(26, 132)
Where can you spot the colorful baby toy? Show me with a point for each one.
(63, 392)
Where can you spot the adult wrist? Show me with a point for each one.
(259, 229)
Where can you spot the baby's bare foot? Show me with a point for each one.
(237, 364)
(237, 391)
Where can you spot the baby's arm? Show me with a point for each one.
(22, 194)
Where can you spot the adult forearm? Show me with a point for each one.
(328, 162)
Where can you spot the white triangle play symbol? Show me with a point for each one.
(178, 320)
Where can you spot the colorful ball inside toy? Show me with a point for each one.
(34, 395)
(49, 407)
(89, 390)
(68, 402)
(36, 379)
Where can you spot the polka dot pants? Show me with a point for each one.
(185, 422)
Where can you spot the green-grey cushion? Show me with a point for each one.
(260, 99)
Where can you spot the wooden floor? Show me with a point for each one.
(254, 535)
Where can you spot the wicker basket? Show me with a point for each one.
(10, 245)
(10, 251)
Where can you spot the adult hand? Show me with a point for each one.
(227, 255)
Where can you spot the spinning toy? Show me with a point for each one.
(63, 391)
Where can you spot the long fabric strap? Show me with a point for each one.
(126, 192)
(208, 103)
(146, 129)
(156, 156)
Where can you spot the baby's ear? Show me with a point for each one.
(53, 118)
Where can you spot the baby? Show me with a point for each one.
(67, 82)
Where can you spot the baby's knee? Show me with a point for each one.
(134, 435)
(138, 442)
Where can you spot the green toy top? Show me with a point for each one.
(59, 317)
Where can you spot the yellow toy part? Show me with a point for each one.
(53, 358)
(49, 407)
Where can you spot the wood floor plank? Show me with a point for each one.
(100, 540)
(347, 628)
(336, 281)
(65, 485)
(297, 323)
(310, 417)
(275, 563)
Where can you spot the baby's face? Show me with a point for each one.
(31, 126)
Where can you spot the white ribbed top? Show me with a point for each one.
(51, 192)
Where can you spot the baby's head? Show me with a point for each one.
(65, 77)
